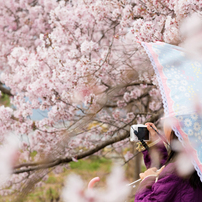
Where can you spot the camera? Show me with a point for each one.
(139, 132)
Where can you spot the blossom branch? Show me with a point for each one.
(45, 164)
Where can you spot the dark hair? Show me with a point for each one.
(194, 179)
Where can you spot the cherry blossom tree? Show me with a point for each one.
(79, 60)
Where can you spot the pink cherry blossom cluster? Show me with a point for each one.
(161, 20)
(21, 24)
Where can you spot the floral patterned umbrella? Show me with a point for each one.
(180, 82)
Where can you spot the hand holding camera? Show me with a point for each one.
(152, 130)
(145, 132)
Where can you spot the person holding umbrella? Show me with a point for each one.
(180, 82)
(168, 183)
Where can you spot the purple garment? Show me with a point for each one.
(163, 156)
(169, 187)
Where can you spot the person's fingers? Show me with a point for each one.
(92, 182)
(153, 169)
(150, 171)
(141, 176)
(150, 125)
(160, 170)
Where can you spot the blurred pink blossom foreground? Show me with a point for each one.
(8, 157)
(115, 191)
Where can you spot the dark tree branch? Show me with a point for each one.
(45, 164)
(5, 90)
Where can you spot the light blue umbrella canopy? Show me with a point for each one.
(180, 83)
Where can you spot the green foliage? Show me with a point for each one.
(5, 100)
(143, 168)
(92, 164)
(36, 196)
(52, 194)
(51, 189)
(33, 154)
(51, 180)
